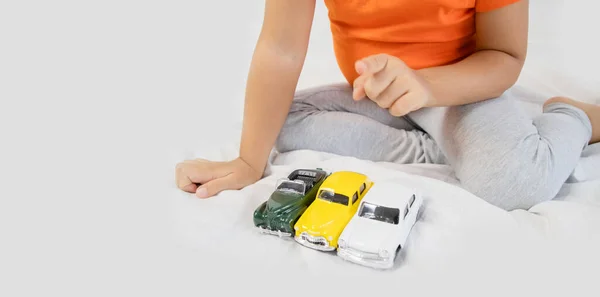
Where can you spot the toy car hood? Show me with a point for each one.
(317, 220)
(368, 235)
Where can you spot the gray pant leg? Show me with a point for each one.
(499, 154)
(327, 119)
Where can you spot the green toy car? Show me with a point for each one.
(288, 202)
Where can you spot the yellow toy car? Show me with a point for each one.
(337, 200)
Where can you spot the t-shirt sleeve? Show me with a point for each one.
(489, 5)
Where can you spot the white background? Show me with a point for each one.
(96, 99)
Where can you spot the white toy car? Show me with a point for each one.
(381, 226)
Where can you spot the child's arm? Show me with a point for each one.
(273, 77)
(489, 72)
(494, 68)
(274, 72)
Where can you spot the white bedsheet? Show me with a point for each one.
(460, 244)
(459, 241)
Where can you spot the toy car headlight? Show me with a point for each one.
(342, 243)
(384, 254)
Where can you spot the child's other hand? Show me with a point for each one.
(208, 178)
(390, 83)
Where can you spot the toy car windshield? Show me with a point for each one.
(292, 186)
(380, 213)
(332, 196)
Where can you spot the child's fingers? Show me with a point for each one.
(378, 83)
(185, 184)
(192, 172)
(216, 186)
(372, 64)
(182, 179)
(397, 89)
(191, 188)
(358, 91)
(406, 104)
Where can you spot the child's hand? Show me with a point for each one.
(208, 178)
(390, 83)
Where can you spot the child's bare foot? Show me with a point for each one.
(592, 111)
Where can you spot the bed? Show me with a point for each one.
(460, 244)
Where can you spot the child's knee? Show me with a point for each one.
(510, 194)
(509, 181)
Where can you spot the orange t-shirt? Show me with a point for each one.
(423, 33)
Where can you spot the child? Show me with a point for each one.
(426, 84)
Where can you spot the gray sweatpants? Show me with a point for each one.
(496, 150)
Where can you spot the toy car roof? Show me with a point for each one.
(345, 178)
(309, 176)
(390, 194)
